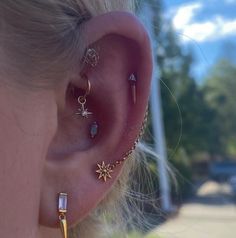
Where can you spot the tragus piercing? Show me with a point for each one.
(62, 210)
(105, 170)
(133, 80)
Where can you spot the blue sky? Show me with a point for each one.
(208, 27)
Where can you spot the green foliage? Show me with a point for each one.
(219, 91)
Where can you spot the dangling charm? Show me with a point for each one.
(82, 101)
(62, 210)
(82, 110)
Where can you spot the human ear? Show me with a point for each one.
(71, 163)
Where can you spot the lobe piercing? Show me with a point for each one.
(62, 210)
(133, 80)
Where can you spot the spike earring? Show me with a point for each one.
(133, 80)
(82, 101)
(62, 210)
(105, 170)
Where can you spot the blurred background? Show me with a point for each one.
(194, 130)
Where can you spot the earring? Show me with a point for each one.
(62, 210)
(133, 80)
(91, 57)
(94, 130)
(82, 101)
(105, 170)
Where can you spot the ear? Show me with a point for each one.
(124, 48)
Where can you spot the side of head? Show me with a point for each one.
(46, 147)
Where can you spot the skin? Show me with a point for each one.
(44, 150)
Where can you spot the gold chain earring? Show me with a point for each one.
(105, 170)
(62, 210)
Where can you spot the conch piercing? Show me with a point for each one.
(82, 111)
(133, 80)
(91, 57)
(94, 130)
(62, 210)
(105, 170)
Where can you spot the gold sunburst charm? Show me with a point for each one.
(104, 171)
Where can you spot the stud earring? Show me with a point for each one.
(94, 130)
(105, 170)
(62, 210)
(91, 57)
(133, 80)
(82, 111)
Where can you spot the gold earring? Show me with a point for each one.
(91, 57)
(62, 210)
(133, 80)
(82, 111)
(105, 170)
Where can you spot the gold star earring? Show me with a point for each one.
(83, 111)
(105, 170)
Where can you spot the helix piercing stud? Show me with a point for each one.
(133, 80)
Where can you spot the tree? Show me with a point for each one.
(219, 90)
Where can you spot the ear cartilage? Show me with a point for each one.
(62, 210)
(94, 130)
(105, 171)
(133, 80)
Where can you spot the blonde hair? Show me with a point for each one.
(40, 42)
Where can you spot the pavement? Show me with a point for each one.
(210, 214)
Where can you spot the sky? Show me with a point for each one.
(208, 27)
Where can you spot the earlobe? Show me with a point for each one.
(85, 156)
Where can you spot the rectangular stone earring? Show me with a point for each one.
(62, 210)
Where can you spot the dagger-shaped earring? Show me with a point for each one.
(62, 210)
(133, 80)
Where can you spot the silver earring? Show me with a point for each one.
(94, 130)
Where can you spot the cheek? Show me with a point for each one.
(25, 133)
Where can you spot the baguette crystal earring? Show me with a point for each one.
(105, 170)
(62, 210)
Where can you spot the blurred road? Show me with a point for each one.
(211, 214)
